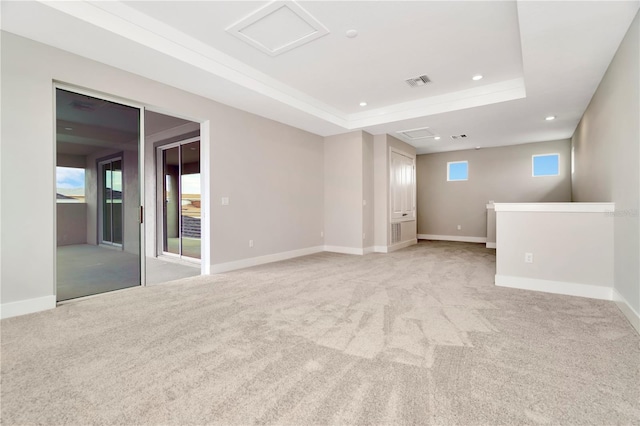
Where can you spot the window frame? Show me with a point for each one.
(449, 163)
(84, 187)
(533, 164)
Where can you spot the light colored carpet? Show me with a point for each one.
(419, 336)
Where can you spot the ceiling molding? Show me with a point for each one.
(127, 22)
(485, 95)
(118, 18)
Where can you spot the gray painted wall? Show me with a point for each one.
(71, 226)
(261, 165)
(367, 190)
(607, 154)
(495, 174)
(343, 177)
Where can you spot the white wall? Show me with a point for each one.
(272, 173)
(607, 152)
(571, 244)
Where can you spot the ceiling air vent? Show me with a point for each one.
(454, 137)
(418, 81)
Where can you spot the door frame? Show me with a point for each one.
(100, 224)
(141, 170)
(159, 247)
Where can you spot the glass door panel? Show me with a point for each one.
(116, 201)
(190, 199)
(111, 202)
(171, 207)
(181, 195)
(106, 202)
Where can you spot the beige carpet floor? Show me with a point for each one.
(419, 336)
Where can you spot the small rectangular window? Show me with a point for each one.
(69, 185)
(457, 170)
(546, 165)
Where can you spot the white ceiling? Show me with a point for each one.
(537, 59)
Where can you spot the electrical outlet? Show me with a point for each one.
(224, 201)
(528, 257)
(321, 234)
(459, 227)
(250, 243)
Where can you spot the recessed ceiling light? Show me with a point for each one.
(352, 33)
(437, 138)
(550, 117)
(363, 104)
(476, 77)
(477, 147)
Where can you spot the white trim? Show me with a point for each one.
(490, 206)
(503, 91)
(491, 245)
(344, 250)
(126, 21)
(29, 306)
(401, 245)
(556, 287)
(627, 310)
(261, 260)
(368, 250)
(173, 132)
(556, 207)
(411, 213)
(119, 18)
(205, 198)
(460, 238)
(381, 249)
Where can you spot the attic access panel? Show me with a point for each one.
(278, 27)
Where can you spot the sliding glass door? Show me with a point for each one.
(111, 201)
(179, 164)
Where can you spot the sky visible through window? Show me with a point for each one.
(545, 165)
(70, 184)
(458, 171)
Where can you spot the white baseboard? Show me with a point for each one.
(627, 310)
(369, 249)
(460, 238)
(491, 245)
(29, 306)
(261, 260)
(401, 245)
(380, 249)
(557, 287)
(344, 250)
